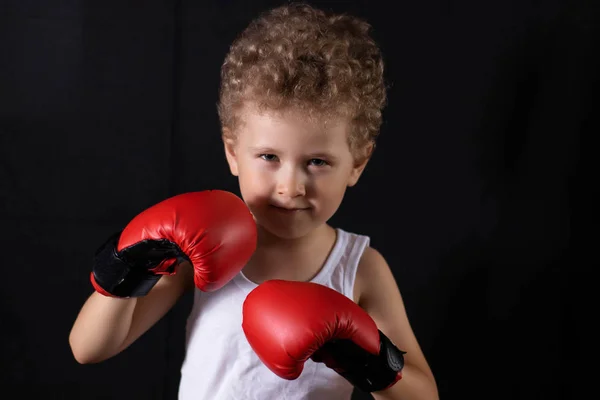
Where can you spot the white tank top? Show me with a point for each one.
(220, 364)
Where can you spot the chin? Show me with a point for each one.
(288, 232)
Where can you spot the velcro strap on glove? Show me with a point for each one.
(367, 372)
(135, 270)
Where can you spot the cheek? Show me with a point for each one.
(331, 189)
(254, 184)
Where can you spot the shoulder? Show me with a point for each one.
(371, 271)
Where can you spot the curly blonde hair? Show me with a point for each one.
(299, 57)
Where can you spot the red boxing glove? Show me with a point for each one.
(213, 230)
(288, 322)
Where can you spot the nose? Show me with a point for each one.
(291, 183)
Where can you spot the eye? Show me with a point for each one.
(268, 157)
(317, 162)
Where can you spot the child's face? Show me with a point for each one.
(292, 173)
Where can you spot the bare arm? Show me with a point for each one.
(376, 291)
(105, 326)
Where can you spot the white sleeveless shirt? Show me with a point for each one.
(220, 364)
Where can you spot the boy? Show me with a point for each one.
(300, 107)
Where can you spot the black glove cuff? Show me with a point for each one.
(128, 274)
(366, 371)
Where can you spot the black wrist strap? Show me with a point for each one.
(129, 272)
(366, 371)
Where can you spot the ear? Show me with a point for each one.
(359, 167)
(230, 151)
(356, 172)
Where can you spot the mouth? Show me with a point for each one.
(289, 210)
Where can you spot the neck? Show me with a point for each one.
(270, 242)
(292, 259)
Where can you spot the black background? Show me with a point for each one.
(480, 193)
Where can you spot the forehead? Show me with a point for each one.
(293, 127)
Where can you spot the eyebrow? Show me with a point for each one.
(262, 150)
(270, 150)
(327, 156)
